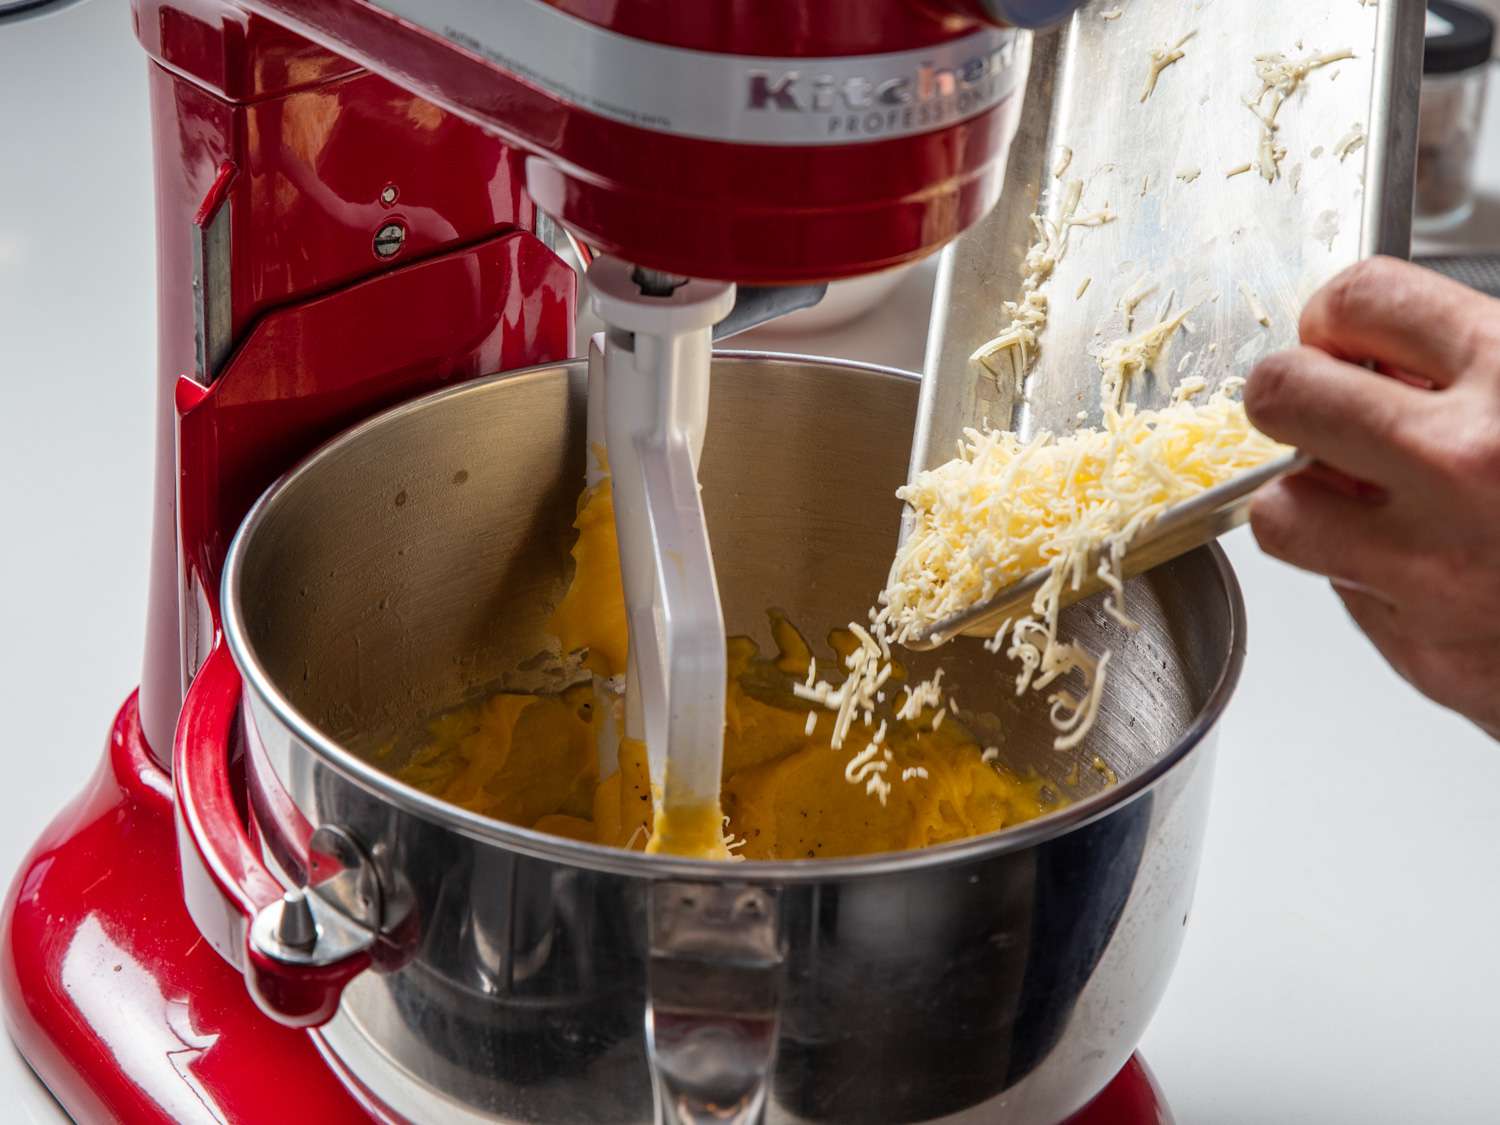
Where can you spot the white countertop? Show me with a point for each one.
(1340, 964)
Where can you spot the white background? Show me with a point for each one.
(1342, 963)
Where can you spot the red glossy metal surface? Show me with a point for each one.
(1132, 1098)
(238, 56)
(318, 148)
(110, 991)
(752, 213)
(224, 882)
(307, 371)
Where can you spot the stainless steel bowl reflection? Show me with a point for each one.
(411, 564)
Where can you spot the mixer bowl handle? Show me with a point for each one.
(297, 952)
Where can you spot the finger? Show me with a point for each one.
(1372, 611)
(1401, 316)
(1311, 527)
(1326, 476)
(1421, 382)
(1379, 621)
(1352, 419)
(1344, 586)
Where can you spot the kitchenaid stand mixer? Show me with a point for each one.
(350, 211)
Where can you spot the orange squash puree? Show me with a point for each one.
(533, 760)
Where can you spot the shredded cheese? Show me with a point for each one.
(1009, 507)
(733, 843)
(1139, 290)
(1018, 341)
(1161, 58)
(1257, 310)
(1188, 388)
(1280, 78)
(1123, 360)
(1350, 142)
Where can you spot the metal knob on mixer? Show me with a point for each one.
(335, 917)
(296, 928)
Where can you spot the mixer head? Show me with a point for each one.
(769, 143)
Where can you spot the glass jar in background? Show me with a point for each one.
(1455, 69)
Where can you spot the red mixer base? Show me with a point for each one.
(128, 1016)
(119, 1006)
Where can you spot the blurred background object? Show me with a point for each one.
(1454, 79)
(27, 9)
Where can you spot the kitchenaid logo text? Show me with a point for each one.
(856, 105)
(718, 96)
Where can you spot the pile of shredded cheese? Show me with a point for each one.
(1006, 508)
(1069, 506)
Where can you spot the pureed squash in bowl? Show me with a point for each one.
(534, 760)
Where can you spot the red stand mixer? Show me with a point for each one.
(354, 199)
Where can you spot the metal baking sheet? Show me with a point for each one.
(1200, 241)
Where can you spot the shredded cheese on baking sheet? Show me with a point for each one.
(1187, 388)
(1350, 142)
(1018, 341)
(1280, 78)
(1068, 506)
(1005, 508)
(1123, 360)
(1161, 58)
(1257, 309)
(1142, 288)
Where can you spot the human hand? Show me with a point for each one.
(1402, 508)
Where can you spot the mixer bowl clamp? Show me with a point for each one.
(298, 948)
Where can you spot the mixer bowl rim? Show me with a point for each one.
(616, 861)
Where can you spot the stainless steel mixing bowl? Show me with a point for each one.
(523, 978)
